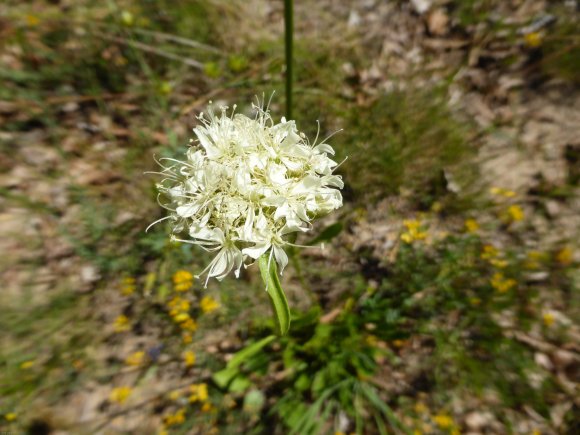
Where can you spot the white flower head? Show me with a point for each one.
(245, 185)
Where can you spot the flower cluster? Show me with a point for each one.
(245, 186)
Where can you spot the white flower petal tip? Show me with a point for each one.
(244, 185)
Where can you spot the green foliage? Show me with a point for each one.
(406, 139)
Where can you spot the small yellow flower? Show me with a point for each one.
(189, 325)
(182, 280)
(471, 226)
(548, 319)
(174, 395)
(181, 317)
(443, 421)
(413, 231)
(120, 394)
(533, 39)
(371, 340)
(128, 286)
(122, 324)
(533, 260)
(26, 365)
(11, 416)
(177, 418)
(207, 407)
(501, 284)
(421, 408)
(186, 338)
(135, 359)
(398, 343)
(489, 252)
(189, 358)
(536, 432)
(502, 192)
(198, 393)
(162, 431)
(500, 264)
(407, 237)
(515, 213)
(178, 305)
(565, 256)
(32, 20)
(208, 304)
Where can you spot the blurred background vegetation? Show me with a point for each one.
(446, 299)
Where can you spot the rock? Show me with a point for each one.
(438, 22)
(421, 6)
(477, 420)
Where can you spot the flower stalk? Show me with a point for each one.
(288, 43)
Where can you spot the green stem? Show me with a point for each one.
(288, 42)
(269, 273)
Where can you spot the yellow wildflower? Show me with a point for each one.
(120, 394)
(471, 226)
(177, 418)
(407, 238)
(443, 421)
(498, 263)
(515, 213)
(178, 305)
(533, 260)
(198, 393)
(413, 231)
(207, 407)
(26, 365)
(174, 395)
(533, 39)
(135, 359)
(128, 286)
(436, 207)
(122, 324)
(371, 340)
(489, 252)
(162, 431)
(421, 408)
(502, 192)
(188, 325)
(398, 343)
(11, 416)
(549, 319)
(501, 284)
(565, 256)
(189, 358)
(181, 317)
(32, 20)
(186, 337)
(182, 280)
(208, 304)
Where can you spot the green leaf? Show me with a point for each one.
(225, 376)
(329, 233)
(276, 293)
